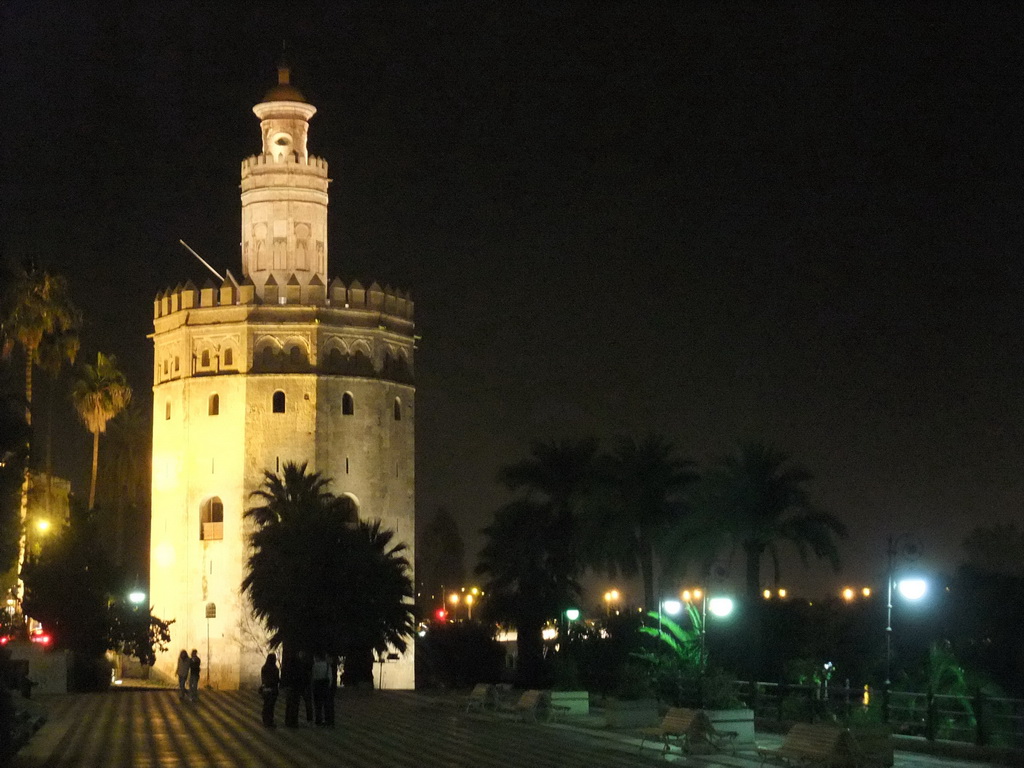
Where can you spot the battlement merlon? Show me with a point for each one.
(267, 162)
(388, 307)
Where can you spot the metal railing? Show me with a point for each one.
(977, 719)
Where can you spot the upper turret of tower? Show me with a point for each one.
(284, 195)
(284, 117)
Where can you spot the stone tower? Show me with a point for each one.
(280, 366)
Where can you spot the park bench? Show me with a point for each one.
(685, 727)
(531, 706)
(813, 744)
(481, 697)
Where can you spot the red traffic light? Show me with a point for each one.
(440, 614)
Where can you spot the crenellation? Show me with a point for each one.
(338, 293)
(293, 290)
(207, 295)
(375, 297)
(316, 292)
(247, 291)
(228, 289)
(356, 295)
(189, 295)
(270, 291)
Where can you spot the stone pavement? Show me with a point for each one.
(153, 729)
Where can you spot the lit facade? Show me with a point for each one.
(282, 365)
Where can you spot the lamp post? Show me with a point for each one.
(612, 595)
(901, 547)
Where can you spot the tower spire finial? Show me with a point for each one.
(284, 72)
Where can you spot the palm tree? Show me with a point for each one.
(526, 581)
(319, 579)
(559, 478)
(100, 393)
(757, 500)
(35, 306)
(625, 526)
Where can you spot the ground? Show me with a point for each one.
(150, 728)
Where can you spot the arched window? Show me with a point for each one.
(295, 356)
(398, 409)
(214, 405)
(348, 404)
(279, 402)
(229, 358)
(205, 359)
(212, 518)
(167, 410)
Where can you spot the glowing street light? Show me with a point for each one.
(611, 596)
(720, 606)
(469, 605)
(671, 607)
(901, 547)
(137, 597)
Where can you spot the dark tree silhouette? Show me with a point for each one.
(639, 504)
(319, 579)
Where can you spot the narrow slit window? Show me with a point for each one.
(348, 404)
(177, 363)
(229, 357)
(278, 402)
(214, 405)
(398, 409)
(206, 358)
(167, 410)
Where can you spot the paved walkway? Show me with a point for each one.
(153, 729)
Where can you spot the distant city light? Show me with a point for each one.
(572, 614)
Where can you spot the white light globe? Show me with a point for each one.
(137, 597)
(912, 589)
(572, 614)
(671, 607)
(720, 606)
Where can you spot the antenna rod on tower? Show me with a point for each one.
(205, 264)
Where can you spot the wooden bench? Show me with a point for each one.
(685, 727)
(530, 706)
(481, 697)
(813, 743)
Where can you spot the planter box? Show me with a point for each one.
(631, 714)
(739, 720)
(570, 703)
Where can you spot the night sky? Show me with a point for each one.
(798, 223)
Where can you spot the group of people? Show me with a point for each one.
(188, 672)
(309, 679)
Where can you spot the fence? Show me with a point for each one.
(979, 719)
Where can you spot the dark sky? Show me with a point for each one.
(791, 222)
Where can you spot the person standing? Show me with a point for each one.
(332, 689)
(182, 672)
(321, 684)
(194, 665)
(270, 684)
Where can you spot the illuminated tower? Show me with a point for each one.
(280, 366)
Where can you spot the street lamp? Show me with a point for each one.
(899, 548)
(137, 597)
(469, 605)
(612, 595)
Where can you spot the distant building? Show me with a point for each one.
(279, 366)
